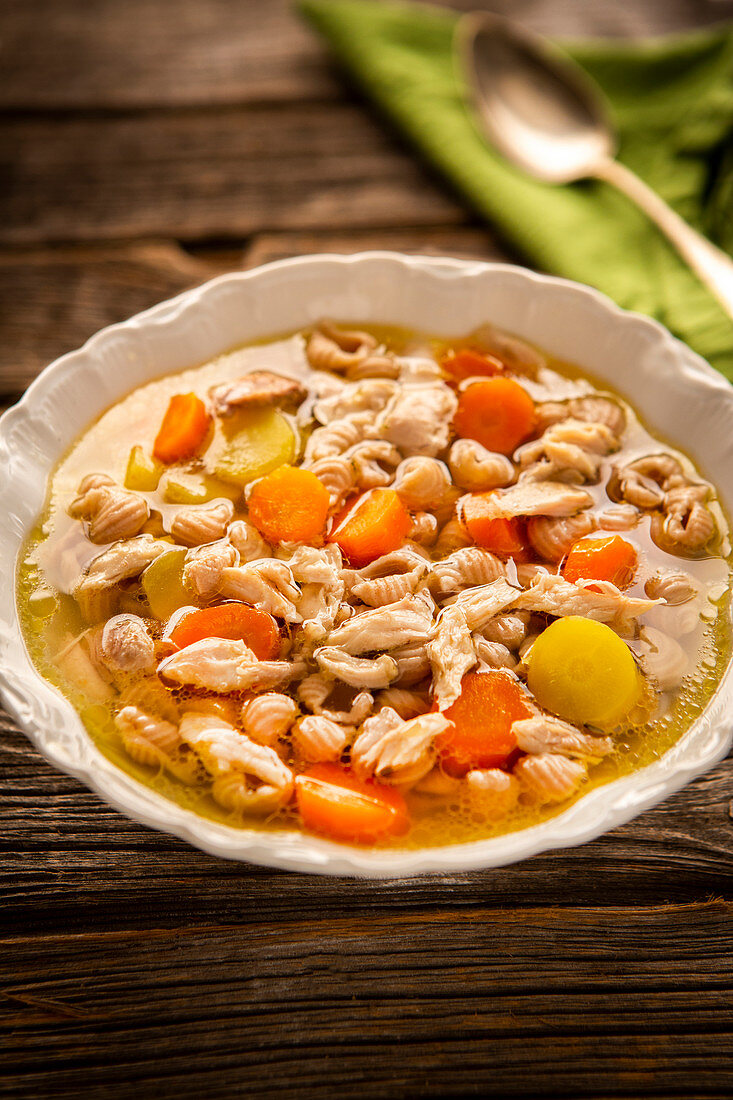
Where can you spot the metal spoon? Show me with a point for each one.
(541, 111)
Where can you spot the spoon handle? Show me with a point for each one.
(714, 268)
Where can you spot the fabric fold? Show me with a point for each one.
(672, 101)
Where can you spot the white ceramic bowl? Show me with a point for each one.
(677, 393)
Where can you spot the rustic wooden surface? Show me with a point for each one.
(145, 146)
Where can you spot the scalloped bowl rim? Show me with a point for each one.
(357, 281)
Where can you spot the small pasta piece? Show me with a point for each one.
(452, 537)
(549, 777)
(509, 629)
(421, 482)
(553, 537)
(476, 469)
(320, 740)
(674, 587)
(424, 529)
(406, 703)
(337, 474)
(202, 522)
(112, 513)
(466, 568)
(493, 654)
(268, 717)
(337, 349)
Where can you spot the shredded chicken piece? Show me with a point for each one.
(267, 584)
(413, 663)
(203, 567)
(260, 387)
(112, 513)
(395, 751)
(223, 665)
(318, 739)
(418, 419)
(370, 395)
(408, 620)
(553, 595)
(247, 541)
(480, 605)
(549, 777)
(126, 645)
(360, 672)
(537, 498)
(452, 654)
(543, 733)
(95, 592)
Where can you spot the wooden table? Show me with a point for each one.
(149, 144)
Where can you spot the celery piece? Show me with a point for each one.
(163, 584)
(181, 487)
(143, 472)
(256, 441)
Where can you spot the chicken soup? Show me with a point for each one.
(386, 588)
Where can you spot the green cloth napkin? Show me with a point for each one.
(672, 100)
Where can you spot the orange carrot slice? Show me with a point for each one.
(504, 536)
(498, 413)
(482, 716)
(184, 428)
(608, 559)
(290, 505)
(255, 628)
(371, 525)
(332, 800)
(468, 363)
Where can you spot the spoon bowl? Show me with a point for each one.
(534, 104)
(541, 111)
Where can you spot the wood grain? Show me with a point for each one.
(143, 147)
(197, 174)
(181, 53)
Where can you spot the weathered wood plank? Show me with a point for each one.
(51, 301)
(485, 1003)
(222, 174)
(102, 54)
